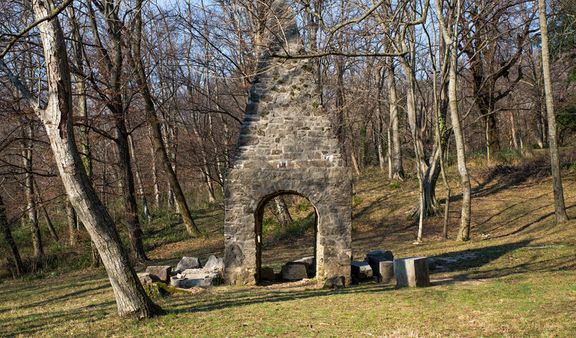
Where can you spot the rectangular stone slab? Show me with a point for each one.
(412, 272)
(385, 272)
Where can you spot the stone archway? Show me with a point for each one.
(259, 233)
(287, 143)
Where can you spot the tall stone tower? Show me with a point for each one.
(286, 145)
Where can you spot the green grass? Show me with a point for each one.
(517, 277)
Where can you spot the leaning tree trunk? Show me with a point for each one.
(7, 234)
(85, 149)
(56, 117)
(149, 110)
(559, 206)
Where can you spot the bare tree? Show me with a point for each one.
(149, 108)
(56, 116)
(7, 234)
(449, 33)
(559, 207)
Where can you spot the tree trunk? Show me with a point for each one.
(396, 151)
(492, 134)
(464, 232)
(284, 216)
(29, 190)
(49, 224)
(72, 222)
(559, 207)
(85, 150)
(149, 109)
(144, 200)
(7, 234)
(155, 183)
(379, 128)
(449, 33)
(130, 297)
(129, 192)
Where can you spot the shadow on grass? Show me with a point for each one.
(470, 262)
(38, 322)
(250, 297)
(472, 258)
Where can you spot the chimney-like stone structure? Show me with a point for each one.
(286, 145)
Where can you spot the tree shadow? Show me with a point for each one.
(533, 222)
(472, 258)
(38, 322)
(249, 297)
(504, 176)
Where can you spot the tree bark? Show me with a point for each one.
(82, 107)
(396, 151)
(72, 221)
(559, 206)
(56, 117)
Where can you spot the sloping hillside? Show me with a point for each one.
(516, 277)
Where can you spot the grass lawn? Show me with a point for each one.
(517, 277)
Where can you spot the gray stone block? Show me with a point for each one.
(190, 280)
(412, 272)
(188, 263)
(385, 273)
(310, 262)
(214, 264)
(361, 271)
(146, 278)
(162, 272)
(375, 257)
(293, 271)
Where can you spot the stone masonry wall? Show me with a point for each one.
(286, 145)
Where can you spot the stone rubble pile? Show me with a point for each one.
(189, 273)
(378, 265)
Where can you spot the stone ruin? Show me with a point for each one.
(286, 146)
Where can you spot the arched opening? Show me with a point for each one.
(286, 226)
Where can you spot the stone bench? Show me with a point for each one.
(412, 272)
